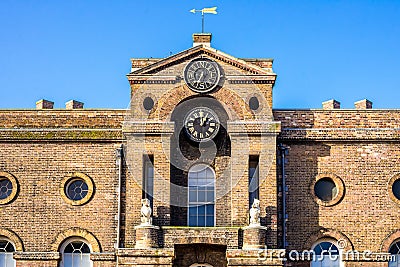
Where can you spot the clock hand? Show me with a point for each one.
(201, 76)
(202, 121)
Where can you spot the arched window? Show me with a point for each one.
(201, 182)
(395, 252)
(326, 255)
(200, 265)
(75, 253)
(6, 253)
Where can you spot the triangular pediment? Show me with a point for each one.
(155, 66)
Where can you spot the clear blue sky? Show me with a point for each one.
(61, 50)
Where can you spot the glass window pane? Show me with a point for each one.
(210, 196)
(202, 196)
(210, 221)
(210, 209)
(192, 220)
(192, 196)
(202, 210)
(201, 221)
(193, 211)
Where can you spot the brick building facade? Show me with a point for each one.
(201, 142)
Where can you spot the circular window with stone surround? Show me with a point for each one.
(327, 189)
(8, 188)
(394, 188)
(148, 103)
(77, 189)
(255, 102)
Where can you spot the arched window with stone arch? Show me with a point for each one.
(201, 195)
(394, 251)
(200, 265)
(6, 253)
(75, 253)
(326, 254)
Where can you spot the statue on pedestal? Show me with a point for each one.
(145, 212)
(255, 213)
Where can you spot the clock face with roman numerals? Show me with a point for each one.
(201, 124)
(202, 75)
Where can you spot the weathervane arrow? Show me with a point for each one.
(206, 10)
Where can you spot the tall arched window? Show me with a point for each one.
(395, 252)
(6, 253)
(201, 182)
(326, 255)
(75, 253)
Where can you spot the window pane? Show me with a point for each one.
(6, 260)
(193, 211)
(325, 189)
(210, 221)
(192, 220)
(201, 221)
(192, 196)
(210, 209)
(202, 210)
(202, 196)
(210, 196)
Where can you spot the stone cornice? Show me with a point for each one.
(60, 134)
(196, 51)
(340, 134)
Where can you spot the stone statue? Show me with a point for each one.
(255, 213)
(145, 212)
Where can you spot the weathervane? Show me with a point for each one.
(209, 10)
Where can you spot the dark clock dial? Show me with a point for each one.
(202, 75)
(201, 124)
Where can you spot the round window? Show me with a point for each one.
(77, 189)
(325, 189)
(6, 187)
(396, 189)
(148, 103)
(254, 104)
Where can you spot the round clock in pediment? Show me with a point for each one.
(202, 75)
(201, 124)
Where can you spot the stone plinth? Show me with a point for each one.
(146, 236)
(254, 237)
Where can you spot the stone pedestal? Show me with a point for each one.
(254, 237)
(146, 236)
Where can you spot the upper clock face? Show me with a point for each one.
(201, 124)
(202, 75)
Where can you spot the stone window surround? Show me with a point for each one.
(66, 180)
(261, 101)
(392, 180)
(339, 185)
(15, 187)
